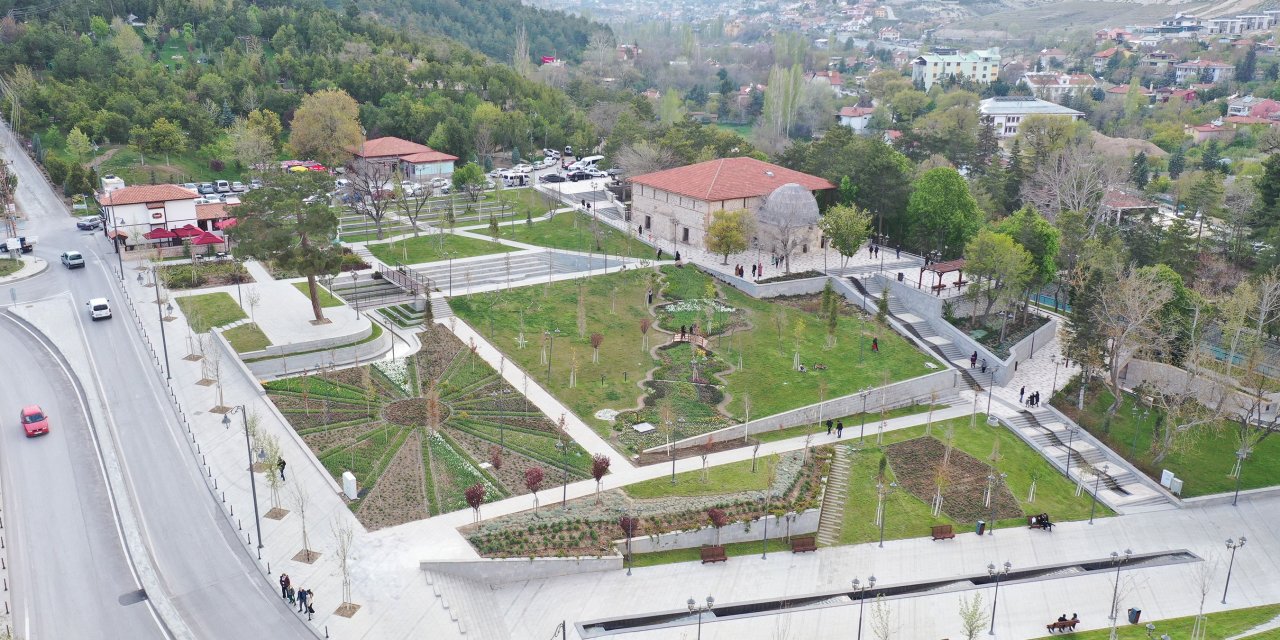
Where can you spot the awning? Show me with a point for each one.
(188, 231)
(113, 233)
(159, 234)
(207, 238)
(225, 224)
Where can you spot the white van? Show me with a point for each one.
(99, 308)
(222, 186)
(588, 162)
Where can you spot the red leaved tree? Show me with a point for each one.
(532, 482)
(718, 520)
(597, 339)
(475, 498)
(495, 457)
(599, 467)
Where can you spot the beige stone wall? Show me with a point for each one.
(672, 213)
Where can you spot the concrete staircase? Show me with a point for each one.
(368, 291)
(470, 605)
(832, 517)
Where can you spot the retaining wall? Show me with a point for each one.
(769, 289)
(309, 345)
(795, 524)
(498, 571)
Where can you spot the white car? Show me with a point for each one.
(237, 187)
(410, 188)
(522, 168)
(440, 182)
(341, 183)
(99, 308)
(596, 173)
(547, 163)
(551, 153)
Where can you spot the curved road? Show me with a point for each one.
(204, 569)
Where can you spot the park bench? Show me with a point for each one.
(713, 554)
(943, 532)
(941, 286)
(1062, 625)
(1032, 524)
(801, 544)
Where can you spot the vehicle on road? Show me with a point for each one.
(89, 223)
(552, 178)
(190, 185)
(255, 183)
(440, 182)
(547, 162)
(595, 173)
(614, 172)
(588, 162)
(72, 260)
(568, 151)
(237, 187)
(34, 421)
(522, 168)
(99, 308)
(206, 188)
(575, 176)
(551, 153)
(25, 244)
(222, 186)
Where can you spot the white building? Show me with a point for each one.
(977, 65)
(133, 211)
(856, 118)
(1055, 86)
(1006, 113)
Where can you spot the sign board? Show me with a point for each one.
(1166, 478)
(1176, 486)
(643, 427)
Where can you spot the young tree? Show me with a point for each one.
(599, 467)
(301, 500)
(730, 232)
(344, 535)
(645, 324)
(846, 227)
(326, 127)
(533, 481)
(718, 520)
(413, 203)
(475, 498)
(166, 137)
(288, 221)
(972, 615)
(469, 179)
(597, 339)
(78, 144)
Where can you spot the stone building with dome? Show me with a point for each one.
(675, 206)
(787, 222)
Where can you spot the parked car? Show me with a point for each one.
(89, 223)
(575, 176)
(547, 163)
(595, 173)
(552, 178)
(34, 421)
(99, 308)
(222, 186)
(410, 187)
(522, 168)
(614, 172)
(440, 182)
(237, 187)
(568, 151)
(189, 185)
(72, 260)
(551, 153)
(255, 183)
(206, 188)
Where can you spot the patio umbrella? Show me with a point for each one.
(159, 234)
(225, 224)
(188, 231)
(207, 238)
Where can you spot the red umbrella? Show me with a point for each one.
(225, 224)
(159, 234)
(207, 238)
(188, 231)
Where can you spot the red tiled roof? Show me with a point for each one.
(388, 146)
(146, 193)
(855, 112)
(1120, 200)
(1124, 88)
(1248, 120)
(728, 178)
(430, 155)
(1207, 128)
(213, 211)
(1106, 53)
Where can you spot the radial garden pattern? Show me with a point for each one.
(417, 432)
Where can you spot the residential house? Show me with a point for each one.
(1157, 62)
(1212, 131)
(1113, 34)
(977, 65)
(676, 205)
(416, 161)
(133, 211)
(856, 118)
(1102, 58)
(1242, 23)
(1165, 94)
(829, 79)
(1051, 85)
(1049, 57)
(1209, 70)
(1255, 107)
(888, 34)
(1006, 113)
(1121, 91)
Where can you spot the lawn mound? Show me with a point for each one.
(917, 463)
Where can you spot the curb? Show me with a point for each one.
(31, 269)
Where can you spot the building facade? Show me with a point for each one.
(133, 211)
(1006, 113)
(977, 65)
(415, 161)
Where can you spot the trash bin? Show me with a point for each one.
(981, 528)
(1134, 614)
(899, 276)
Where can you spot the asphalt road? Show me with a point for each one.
(203, 566)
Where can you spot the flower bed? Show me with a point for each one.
(397, 372)
(915, 463)
(398, 496)
(787, 277)
(203, 274)
(453, 473)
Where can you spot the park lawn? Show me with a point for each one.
(572, 231)
(326, 299)
(1202, 465)
(850, 422)
(726, 478)
(210, 310)
(188, 166)
(909, 516)
(732, 550)
(247, 338)
(1221, 625)
(9, 266)
(427, 249)
(523, 202)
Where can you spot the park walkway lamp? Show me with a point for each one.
(993, 484)
(996, 573)
(253, 482)
(1232, 545)
(1097, 481)
(1119, 561)
(862, 598)
(694, 607)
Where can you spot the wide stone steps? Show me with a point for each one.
(831, 520)
(471, 606)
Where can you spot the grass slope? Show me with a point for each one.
(428, 249)
(210, 310)
(573, 231)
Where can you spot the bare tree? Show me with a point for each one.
(1129, 317)
(645, 157)
(883, 624)
(1073, 179)
(301, 500)
(520, 57)
(271, 460)
(373, 187)
(785, 237)
(254, 297)
(343, 535)
(413, 203)
(972, 615)
(1204, 578)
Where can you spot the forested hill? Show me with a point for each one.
(490, 26)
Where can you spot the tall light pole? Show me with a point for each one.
(253, 482)
(164, 342)
(564, 463)
(862, 598)
(1097, 480)
(355, 279)
(115, 231)
(1117, 560)
(1241, 455)
(862, 431)
(1053, 388)
(995, 597)
(1071, 453)
(694, 607)
(764, 543)
(884, 505)
(1232, 545)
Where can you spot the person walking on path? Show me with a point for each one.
(984, 365)
(280, 465)
(284, 579)
(292, 595)
(875, 345)
(828, 426)
(753, 270)
(659, 253)
(311, 604)
(1022, 392)
(840, 429)
(897, 251)
(302, 600)
(973, 360)
(871, 250)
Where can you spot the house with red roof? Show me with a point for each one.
(856, 118)
(1102, 58)
(416, 161)
(1211, 131)
(676, 205)
(1253, 107)
(133, 211)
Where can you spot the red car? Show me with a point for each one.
(34, 421)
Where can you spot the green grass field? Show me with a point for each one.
(1202, 463)
(726, 478)
(247, 338)
(575, 231)
(210, 310)
(326, 299)
(427, 249)
(1221, 625)
(9, 267)
(732, 550)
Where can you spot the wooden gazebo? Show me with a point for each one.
(940, 269)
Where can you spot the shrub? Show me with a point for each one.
(217, 165)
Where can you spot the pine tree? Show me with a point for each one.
(1140, 172)
(1211, 157)
(1177, 162)
(1014, 174)
(988, 149)
(1178, 248)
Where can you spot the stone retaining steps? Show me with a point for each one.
(470, 604)
(831, 520)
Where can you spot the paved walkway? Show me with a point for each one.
(31, 266)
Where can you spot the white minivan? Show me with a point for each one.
(99, 308)
(222, 186)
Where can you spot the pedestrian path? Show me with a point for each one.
(831, 520)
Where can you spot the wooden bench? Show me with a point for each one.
(713, 554)
(943, 532)
(1032, 524)
(802, 544)
(939, 287)
(1062, 625)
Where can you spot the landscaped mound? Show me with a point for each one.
(917, 463)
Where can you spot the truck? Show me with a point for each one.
(25, 244)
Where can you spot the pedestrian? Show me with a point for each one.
(897, 251)
(877, 251)
(761, 273)
(311, 604)
(639, 231)
(753, 270)
(677, 256)
(840, 429)
(875, 345)
(1036, 402)
(973, 360)
(682, 332)
(659, 252)
(302, 600)
(650, 296)
(280, 465)
(284, 577)
(1021, 392)
(871, 250)
(984, 365)
(828, 426)
(292, 595)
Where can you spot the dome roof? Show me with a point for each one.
(790, 204)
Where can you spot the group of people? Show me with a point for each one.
(973, 362)
(304, 599)
(1064, 618)
(757, 270)
(692, 330)
(1032, 400)
(839, 426)
(1043, 522)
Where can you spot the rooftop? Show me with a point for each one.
(146, 193)
(855, 112)
(388, 146)
(1023, 105)
(728, 178)
(977, 55)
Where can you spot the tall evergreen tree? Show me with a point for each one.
(1177, 162)
(988, 148)
(1211, 156)
(1140, 171)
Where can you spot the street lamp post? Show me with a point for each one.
(551, 348)
(862, 598)
(1053, 388)
(995, 597)
(1140, 417)
(884, 505)
(1232, 545)
(1071, 453)
(990, 388)
(355, 279)
(694, 607)
(994, 481)
(764, 543)
(1117, 560)
(164, 342)
(1097, 481)
(862, 431)
(253, 482)
(1241, 455)
(564, 463)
